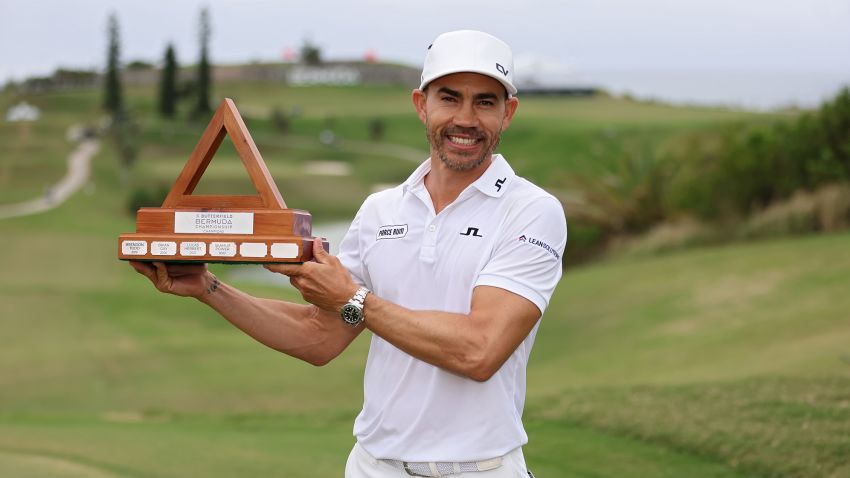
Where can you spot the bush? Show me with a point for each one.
(748, 181)
(150, 196)
(629, 198)
(755, 167)
(280, 120)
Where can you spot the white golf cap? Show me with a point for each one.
(469, 51)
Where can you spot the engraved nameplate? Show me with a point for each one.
(134, 248)
(190, 249)
(213, 222)
(163, 248)
(223, 249)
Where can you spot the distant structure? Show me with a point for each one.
(332, 73)
(62, 80)
(539, 77)
(578, 91)
(23, 111)
(534, 77)
(339, 75)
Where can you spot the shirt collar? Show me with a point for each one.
(493, 182)
(417, 179)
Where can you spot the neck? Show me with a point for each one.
(444, 185)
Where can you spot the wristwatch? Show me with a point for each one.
(352, 312)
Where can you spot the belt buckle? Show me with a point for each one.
(409, 471)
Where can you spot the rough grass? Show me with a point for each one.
(731, 422)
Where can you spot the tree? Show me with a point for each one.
(168, 85)
(139, 65)
(202, 108)
(310, 53)
(112, 99)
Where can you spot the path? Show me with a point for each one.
(75, 178)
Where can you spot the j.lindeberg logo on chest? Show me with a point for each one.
(471, 231)
(395, 231)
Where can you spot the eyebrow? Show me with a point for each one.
(457, 94)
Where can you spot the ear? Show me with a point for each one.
(511, 104)
(419, 98)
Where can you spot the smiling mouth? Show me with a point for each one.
(461, 141)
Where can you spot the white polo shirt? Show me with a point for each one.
(501, 231)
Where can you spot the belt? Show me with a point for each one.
(441, 468)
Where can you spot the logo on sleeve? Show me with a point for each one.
(537, 242)
(392, 232)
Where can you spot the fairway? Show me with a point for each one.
(712, 362)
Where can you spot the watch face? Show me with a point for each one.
(351, 315)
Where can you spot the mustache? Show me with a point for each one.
(458, 130)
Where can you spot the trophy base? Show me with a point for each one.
(218, 248)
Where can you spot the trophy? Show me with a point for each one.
(221, 228)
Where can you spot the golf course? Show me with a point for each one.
(722, 360)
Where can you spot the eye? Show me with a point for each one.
(487, 103)
(448, 99)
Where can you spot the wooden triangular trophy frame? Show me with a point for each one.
(221, 228)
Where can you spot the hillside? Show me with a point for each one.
(716, 362)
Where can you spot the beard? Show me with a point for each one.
(468, 160)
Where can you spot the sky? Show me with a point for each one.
(714, 51)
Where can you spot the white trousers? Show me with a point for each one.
(363, 465)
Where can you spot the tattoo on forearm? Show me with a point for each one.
(214, 286)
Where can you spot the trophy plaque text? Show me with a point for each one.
(221, 228)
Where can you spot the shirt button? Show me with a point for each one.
(432, 228)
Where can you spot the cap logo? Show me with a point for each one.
(501, 69)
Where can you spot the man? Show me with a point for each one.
(451, 271)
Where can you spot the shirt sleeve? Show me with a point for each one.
(527, 258)
(350, 253)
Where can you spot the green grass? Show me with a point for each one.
(625, 378)
(717, 362)
(735, 353)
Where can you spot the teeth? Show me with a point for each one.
(463, 141)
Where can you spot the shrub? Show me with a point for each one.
(628, 198)
(146, 196)
(757, 166)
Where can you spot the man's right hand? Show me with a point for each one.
(185, 280)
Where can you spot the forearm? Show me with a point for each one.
(454, 342)
(474, 345)
(301, 331)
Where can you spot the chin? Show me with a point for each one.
(462, 164)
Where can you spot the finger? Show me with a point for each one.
(294, 282)
(145, 269)
(319, 253)
(162, 278)
(291, 270)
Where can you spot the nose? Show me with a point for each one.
(465, 115)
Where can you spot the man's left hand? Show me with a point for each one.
(325, 283)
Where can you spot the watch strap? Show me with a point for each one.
(359, 297)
